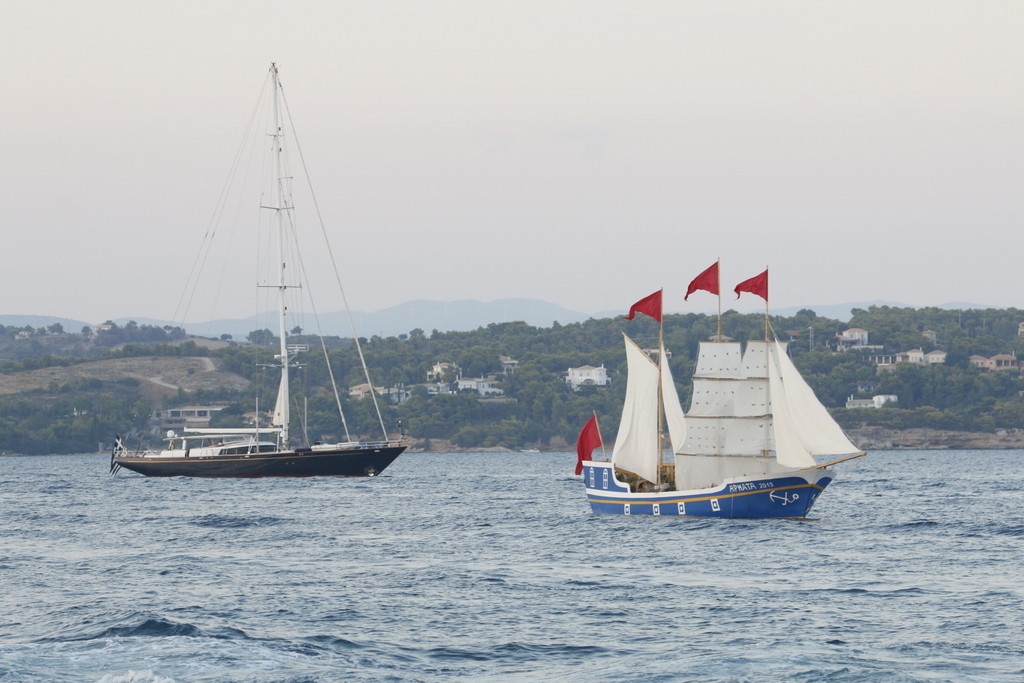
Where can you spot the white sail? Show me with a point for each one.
(719, 389)
(638, 446)
(675, 419)
(803, 426)
(719, 359)
(755, 360)
(729, 398)
(727, 436)
(729, 412)
(752, 395)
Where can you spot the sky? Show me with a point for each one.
(584, 152)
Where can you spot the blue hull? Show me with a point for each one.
(789, 496)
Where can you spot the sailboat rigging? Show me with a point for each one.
(264, 451)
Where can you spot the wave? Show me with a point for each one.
(148, 626)
(885, 592)
(333, 642)
(232, 522)
(916, 524)
(519, 651)
(132, 676)
(988, 529)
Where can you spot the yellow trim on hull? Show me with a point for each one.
(689, 500)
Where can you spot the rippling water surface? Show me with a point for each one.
(491, 566)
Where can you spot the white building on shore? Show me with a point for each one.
(587, 376)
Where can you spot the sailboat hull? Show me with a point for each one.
(347, 462)
(790, 496)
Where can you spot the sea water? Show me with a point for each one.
(491, 566)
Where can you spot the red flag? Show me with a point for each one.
(590, 438)
(649, 305)
(756, 285)
(707, 281)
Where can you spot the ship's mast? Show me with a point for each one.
(718, 292)
(661, 396)
(281, 411)
(767, 337)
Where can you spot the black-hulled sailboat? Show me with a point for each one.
(265, 451)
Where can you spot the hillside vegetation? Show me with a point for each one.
(78, 392)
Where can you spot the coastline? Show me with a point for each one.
(868, 438)
(882, 438)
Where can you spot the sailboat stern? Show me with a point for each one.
(790, 495)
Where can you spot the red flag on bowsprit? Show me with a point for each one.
(649, 305)
(590, 438)
(756, 285)
(706, 281)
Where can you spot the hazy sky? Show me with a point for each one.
(585, 152)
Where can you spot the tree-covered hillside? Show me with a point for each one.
(537, 407)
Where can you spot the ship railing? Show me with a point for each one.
(386, 443)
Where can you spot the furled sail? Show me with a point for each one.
(803, 426)
(638, 446)
(280, 415)
(674, 417)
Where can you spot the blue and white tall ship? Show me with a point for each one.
(746, 448)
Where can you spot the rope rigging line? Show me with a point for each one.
(334, 264)
(319, 331)
(199, 262)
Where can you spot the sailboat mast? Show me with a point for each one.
(766, 336)
(281, 411)
(718, 291)
(661, 396)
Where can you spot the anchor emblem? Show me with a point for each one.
(784, 498)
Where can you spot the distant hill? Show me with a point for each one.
(466, 314)
(842, 312)
(445, 316)
(37, 321)
(845, 311)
